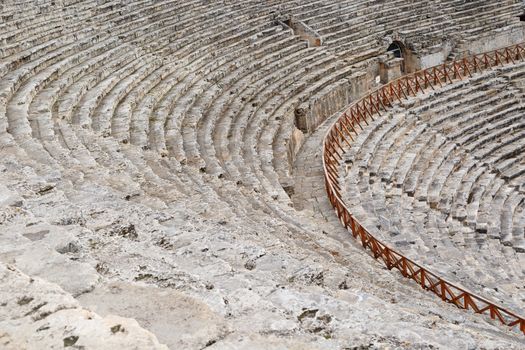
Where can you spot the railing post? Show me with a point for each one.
(466, 68)
(354, 228)
(476, 66)
(404, 266)
(492, 312)
(363, 237)
(466, 301)
(386, 251)
(443, 290)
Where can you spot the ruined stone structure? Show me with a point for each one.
(161, 182)
(344, 152)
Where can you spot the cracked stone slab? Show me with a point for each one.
(35, 314)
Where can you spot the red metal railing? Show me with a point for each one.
(342, 133)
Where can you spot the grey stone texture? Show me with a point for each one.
(155, 192)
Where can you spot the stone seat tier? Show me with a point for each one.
(436, 178)
(159, 134)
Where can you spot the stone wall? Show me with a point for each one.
(496, 41)
(461, 48)
(303, 31)
(308, 115)
(390, 69)
(434, 58)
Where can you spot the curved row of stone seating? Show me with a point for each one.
(128, 68)
(176, 106)
(431, 177)
(163, 17)
(61, 118)
(93, 151)
(121, 93)
(92, 102)
(355, 27)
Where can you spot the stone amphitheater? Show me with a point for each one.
(162, 183)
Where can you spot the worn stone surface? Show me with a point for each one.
(180, 321)
(35, 314)
(442, 186)
(147, 156)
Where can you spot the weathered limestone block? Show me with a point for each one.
(35, 314)
(181, 322)
(390, 69)
(41, 250)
